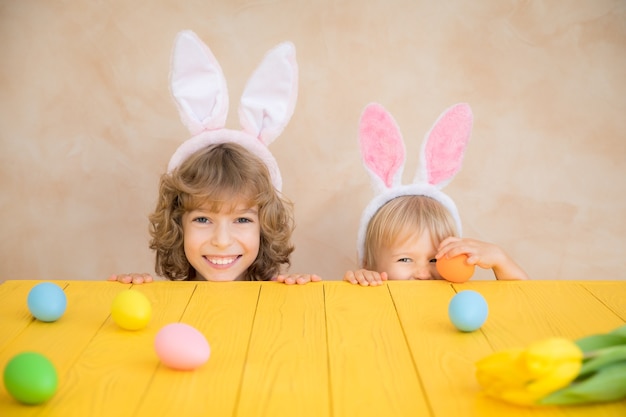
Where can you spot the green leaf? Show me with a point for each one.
(600, 341)
(602, 358)
(620, 331)
(608, 384)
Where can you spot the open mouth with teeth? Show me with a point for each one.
(222, 262)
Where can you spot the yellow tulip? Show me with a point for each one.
(523, 376)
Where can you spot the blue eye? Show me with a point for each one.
(243, 220)
(201, 220)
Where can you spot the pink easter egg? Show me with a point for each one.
(181, 346)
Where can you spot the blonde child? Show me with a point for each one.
(407, 228)
(220, 215)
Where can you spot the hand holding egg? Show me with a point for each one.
(455, 269)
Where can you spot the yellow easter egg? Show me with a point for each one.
(131, 310)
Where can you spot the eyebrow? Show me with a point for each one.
(250, 210)
(247, 210)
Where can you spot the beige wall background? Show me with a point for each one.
(88, 125)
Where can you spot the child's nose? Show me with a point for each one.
(222, 236)
(421, 273)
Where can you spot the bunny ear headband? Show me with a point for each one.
(383, 152)
(199, 89)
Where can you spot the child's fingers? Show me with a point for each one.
(365, 278)
(125, 278)
(288, 279)
(134, 278)
(305, 279)
(369, 279)
(448, 241)
(141, 278)
(349, 276)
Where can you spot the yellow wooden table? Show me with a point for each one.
(323, 349)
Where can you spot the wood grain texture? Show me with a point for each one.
(323, 349)
(64, 342)
(521, 314)
(444, 356)
(224, 313)
(286, 371)
(371, 369)
(611, 294)
(14, 313)
(116, 367)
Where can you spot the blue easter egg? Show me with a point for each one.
(468, 310)
(47, 301)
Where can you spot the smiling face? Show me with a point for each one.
(402, 237)
(411, 258)
(219, 218)
(221, 245)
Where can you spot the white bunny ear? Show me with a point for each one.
(197, 84)
(382, 147)
(444, 146)
(269, 99)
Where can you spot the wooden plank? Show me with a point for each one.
(524, 312)
(14, 313)
(286, 367)
(389, 348)
(370, 366)
(223, 312)
(62, 341)
(445, 357)
(610, 293)
(115, 369)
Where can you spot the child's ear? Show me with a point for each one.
(382, 147)
(444, 146)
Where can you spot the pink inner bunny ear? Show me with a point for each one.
(382, 146)
(197, 84)
(446, 143)
(269, 98)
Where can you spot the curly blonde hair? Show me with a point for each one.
(402, 217)
(210, 178)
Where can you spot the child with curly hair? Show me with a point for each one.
(220, 215)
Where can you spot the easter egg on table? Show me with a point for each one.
(455, 269)
(47, 301)
(131, 310)
(468, 310)
(30, 378)
(181, 346)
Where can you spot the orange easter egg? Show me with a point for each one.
(455, 269)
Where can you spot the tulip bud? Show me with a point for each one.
(525, 376)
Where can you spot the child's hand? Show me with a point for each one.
(291, 279)
(365, 278)
(133, 278)
(484, 255)
(479, 253)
